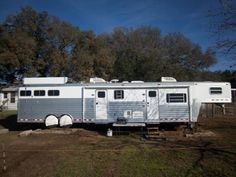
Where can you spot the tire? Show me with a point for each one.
(51, 121)
(65, 121)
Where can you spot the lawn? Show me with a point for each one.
(91, 153)
(6, 114)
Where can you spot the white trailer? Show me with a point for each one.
(53, 101)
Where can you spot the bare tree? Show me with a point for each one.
(223, 25)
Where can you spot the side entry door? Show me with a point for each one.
(152, 105)
(101, 104)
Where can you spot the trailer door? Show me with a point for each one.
(152, 105)
(101, 104)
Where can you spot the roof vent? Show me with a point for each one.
(136, 82)
(168, 79)
(96, 80)
(114, 81)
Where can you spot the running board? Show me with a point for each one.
(129, 125)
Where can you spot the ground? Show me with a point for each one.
(91, 153)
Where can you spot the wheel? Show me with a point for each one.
(51, 121)
(65, 121)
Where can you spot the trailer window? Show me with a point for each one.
(53, 92)
(5, 95)
(101, 94)
(216, 90)
(152, 93)
(118, 94)
(176, 98)
(39, 93)
(25, 93)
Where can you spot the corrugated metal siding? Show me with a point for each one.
(89, 108)
(174, 113)
(117, 109)
(39, 108)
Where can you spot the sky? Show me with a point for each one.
(186, 16)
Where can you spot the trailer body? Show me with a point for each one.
(104, 103)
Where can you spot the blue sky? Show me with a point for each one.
(186, 16)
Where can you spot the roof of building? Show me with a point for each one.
(10, 89)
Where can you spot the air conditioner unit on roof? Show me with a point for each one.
(44, 80)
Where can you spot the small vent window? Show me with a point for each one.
(53, 92)
(39, 93)
(25, 93)
(101, 94)
(152, 93)
(176, 98)
(216, 90)
(118, 94)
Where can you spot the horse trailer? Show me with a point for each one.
(54, 101)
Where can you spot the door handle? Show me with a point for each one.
(96, 102)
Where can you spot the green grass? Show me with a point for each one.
(134, 162)
(7, 113)
(95, 155)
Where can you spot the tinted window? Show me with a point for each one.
(39, 93)
(101, 94)
(119, 94)
(53, 92)
(25, 93)
(152, 93)
(216, 90)
(176, 98)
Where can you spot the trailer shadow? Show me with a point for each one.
(10, 123)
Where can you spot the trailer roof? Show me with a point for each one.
(120, 84)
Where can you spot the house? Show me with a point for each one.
(8, 98)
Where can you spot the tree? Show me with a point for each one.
(185, 59)
(37, 44)
(16, 55)
(104, 57)
(223, 26)
(137, 53)
(61, 39)
(41, 43)
(81, 66)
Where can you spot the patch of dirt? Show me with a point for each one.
(59, 131)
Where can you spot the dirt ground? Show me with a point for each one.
(90, 153)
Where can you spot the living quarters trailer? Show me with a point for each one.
(53, 101)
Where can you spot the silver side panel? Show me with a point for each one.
(32, 109)
(89, 108)
(174, 113)
(117, 109)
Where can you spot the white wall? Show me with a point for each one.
(11, 105)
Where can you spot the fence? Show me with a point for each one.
(218, 110)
